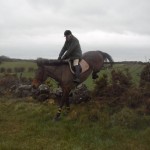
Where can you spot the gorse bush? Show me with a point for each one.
(101, 85)
(133, 97)
(119, 90)
(2, 70)
(145, 80)
(145, 74)
(119, 83)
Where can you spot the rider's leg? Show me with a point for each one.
(77, 70)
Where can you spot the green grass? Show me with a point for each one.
(28, 125)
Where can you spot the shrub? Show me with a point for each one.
(101, 84)
(31, 69)
(145, 74)
(9, 70)
(125, 118)
(19, 69)
(2, 70)
(145, 80)
(119, 83)
(133, 97)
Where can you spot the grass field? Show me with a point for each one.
(28, 125)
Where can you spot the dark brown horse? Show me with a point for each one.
(60, 72)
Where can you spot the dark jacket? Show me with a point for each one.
(72, 49)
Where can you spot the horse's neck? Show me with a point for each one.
(55, 72)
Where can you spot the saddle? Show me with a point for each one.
(84, 66)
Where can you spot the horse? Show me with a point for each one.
(60, 72)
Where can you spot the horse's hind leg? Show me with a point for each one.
(94, 75)
(67, 106)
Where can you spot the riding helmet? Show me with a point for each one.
(67, 32)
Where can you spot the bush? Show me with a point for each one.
(31, 69)
(119, 83)
(145, 80)
(133, 97)
(145, 74)
(19, 69)
(101, 84)
(125, 118)
(2, 70)
(9, 70)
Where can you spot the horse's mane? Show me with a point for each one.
(57, 62)
(50, 62)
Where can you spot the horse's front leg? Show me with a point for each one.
(64, 99)
(67, 109)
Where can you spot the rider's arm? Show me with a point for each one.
(64, 48)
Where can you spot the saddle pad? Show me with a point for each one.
(84, 65)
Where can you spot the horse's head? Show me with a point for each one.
(39, 76)
(35, 83)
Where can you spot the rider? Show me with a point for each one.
(72, 51)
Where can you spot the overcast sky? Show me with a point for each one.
(34, 28)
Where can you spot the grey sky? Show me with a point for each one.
(34, 28)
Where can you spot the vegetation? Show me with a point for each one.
(117, 117)
(26, 124)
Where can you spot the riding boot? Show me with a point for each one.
(77, 74)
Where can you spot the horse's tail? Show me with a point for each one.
(107, 56)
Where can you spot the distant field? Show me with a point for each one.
(134, 69)
(18, 64)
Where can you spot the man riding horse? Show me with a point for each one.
(61, 73)
(72, 51)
